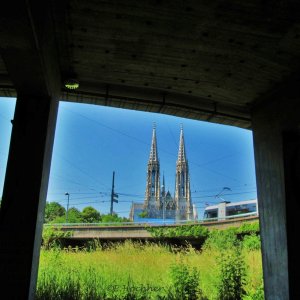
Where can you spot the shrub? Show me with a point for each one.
(232, 275)
(221, 239)
(248, 228)
(185, 282)
(256, 294)
(51, 237)
(252, 242)
(197, 231)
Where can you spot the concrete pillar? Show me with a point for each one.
(24, 194)
(276, 132)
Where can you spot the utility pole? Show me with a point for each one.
(67, 211)
(113, 195)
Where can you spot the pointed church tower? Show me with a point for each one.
(152, 198)
(184, 207)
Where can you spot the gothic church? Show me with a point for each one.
(158, 203)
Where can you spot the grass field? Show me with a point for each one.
(135, 271)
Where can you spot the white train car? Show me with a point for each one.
(228, 210)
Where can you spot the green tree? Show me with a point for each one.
(113, 218)
(90, 215)
(74, 216)
(53, 210)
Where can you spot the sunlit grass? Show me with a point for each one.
(109, 273)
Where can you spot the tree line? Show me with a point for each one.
(56, 213)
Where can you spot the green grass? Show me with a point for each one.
(131, 271)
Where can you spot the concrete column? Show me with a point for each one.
(276, 131)
(24, 195)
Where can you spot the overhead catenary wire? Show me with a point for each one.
(161, 149)
(126, 196)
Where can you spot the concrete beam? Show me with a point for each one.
(24, 194)
(276, 130)
(29, 53)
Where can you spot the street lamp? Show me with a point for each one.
(67, 194)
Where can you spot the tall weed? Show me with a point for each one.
(232, 275)
(185, 282)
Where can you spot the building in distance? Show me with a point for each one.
(158, 203)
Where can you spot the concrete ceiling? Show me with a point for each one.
(209, 60)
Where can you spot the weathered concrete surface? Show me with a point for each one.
(138, 232)
(29, 54)
(111, 234)
(276, 126)
(207, 60)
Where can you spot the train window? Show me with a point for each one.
(240, 209)
(212, 213)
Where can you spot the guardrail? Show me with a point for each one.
(157, 222)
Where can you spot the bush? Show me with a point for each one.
(197, 231)
(51, 237)
(257, 294)
(221, 239)
(232, 275)
(252, 242)
(185, 282)
(248, 228)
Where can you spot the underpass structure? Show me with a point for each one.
(231, 62)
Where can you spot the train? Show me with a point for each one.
(228, 210)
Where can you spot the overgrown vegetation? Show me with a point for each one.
(185, 282)
(52, 237)
(179, 231)
(228, 267)
(232, 274)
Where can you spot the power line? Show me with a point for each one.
(76, 193)
(213, 196)
(169, 153)
(90, 202)
(72, 181)
(130, 195)
(82, 171)
(238, 187)
(108, 127)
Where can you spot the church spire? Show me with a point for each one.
(152, 197)
(153, 152)
(181, 151)
(182, 183)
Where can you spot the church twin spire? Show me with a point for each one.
(155, 195)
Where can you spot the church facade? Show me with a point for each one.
(158, 203)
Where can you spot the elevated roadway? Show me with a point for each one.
(137, 231)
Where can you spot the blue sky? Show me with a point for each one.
(93, 141)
